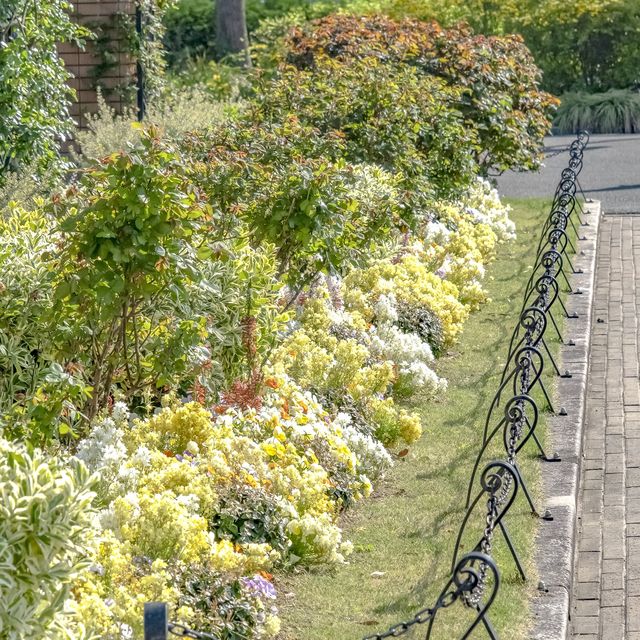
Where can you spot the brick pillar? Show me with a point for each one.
(104, 63)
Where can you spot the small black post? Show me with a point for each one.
(156, 621)
(139, 67)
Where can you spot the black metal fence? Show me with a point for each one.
(512, 417)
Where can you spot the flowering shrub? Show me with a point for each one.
(337, 356)
(224, 496)
(407, 350)
(223, 326)
(439, 269)
(413, 281)
(361, 341)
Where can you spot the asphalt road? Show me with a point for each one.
(611, 172)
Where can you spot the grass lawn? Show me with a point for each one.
(405, 534)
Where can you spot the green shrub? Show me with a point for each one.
(45, 537)
(215, 81)
(154, 282)
(34, 95)
(497, 80)
(134, 286)
(38, 398)
(615, 111)
(579, 45)
(131, 241)
(190, 24)
(292, 189)
(189, 30)
(27, 184)
(394, 117)
(583, 46)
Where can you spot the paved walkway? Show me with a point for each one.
(611, 172)
(606, 598)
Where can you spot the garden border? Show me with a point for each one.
(556, 538)
(501, 479)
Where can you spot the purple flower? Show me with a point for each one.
(260, 587)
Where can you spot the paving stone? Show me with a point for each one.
(586, 625)
(633, 613)
(587, 591)
(608, 543)
(613, 598)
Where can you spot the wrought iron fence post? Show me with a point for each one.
(140, 79)
(156, 621)
(474, 579)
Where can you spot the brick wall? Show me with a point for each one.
(114, 73)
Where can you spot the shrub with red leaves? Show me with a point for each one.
(500, 98)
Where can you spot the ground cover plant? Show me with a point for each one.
(230, 330)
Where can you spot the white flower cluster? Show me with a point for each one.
(319, 533)
(385, 309)
(482, 202)
(407, 351)
(436, 233)
(373, 458)
(104, 451)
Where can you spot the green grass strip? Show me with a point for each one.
(404, 535)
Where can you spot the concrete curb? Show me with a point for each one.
(556, 538)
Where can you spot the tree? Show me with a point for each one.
(231, 30)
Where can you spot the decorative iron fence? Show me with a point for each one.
(513, 416)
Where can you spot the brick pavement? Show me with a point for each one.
(606, 584)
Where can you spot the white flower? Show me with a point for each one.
(386, 309)
(142, 456)
(190, 502)
(120, 413)
(373, 459)
(103, 448)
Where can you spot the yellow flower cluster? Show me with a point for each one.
(321, 361)
(410, 279)
(364, 341)
(236, 493)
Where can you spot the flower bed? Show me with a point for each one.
(222, 328)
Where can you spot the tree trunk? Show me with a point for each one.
(231, 30)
